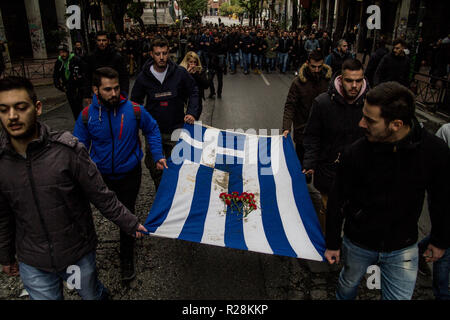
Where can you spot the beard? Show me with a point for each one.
(30, 129)
(381, 137)
(111, 103)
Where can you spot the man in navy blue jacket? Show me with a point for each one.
(109, 128)
(167, 87)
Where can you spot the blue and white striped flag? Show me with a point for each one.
(207, 162)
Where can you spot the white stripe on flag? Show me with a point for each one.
(214, 229)
(195, 143)
(290, 217)
(230, 152)
(209, 153)
(254, 235)
(182, 200)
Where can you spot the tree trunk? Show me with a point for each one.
(294, 15)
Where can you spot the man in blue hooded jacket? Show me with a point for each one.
(109, 128)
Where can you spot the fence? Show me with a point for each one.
(431, 92)
(32, 68)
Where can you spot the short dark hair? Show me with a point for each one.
(159, 42)
(103, 72)
(352, 64)
(13, 83)
(102, 33)
(315, 55)
(395, 100)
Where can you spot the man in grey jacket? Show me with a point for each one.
(47, 182)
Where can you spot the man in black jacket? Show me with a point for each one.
(216, 54)
(394, 66)
(47, 181)
(167, 87)
(375, 60)
(379, 189)
(68, 76)
(333, 124)
(105, 56)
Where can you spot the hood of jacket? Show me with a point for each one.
(44, 135)
(304, 74)
(336, 93)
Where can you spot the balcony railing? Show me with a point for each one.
(431, 92)
(32, 68)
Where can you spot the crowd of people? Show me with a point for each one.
(355, 133)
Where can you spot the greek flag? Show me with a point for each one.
(207, 163)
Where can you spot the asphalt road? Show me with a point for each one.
(174, 269)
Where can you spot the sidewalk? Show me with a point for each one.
(50, 97)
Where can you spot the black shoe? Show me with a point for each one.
(424, 269)
(211, 96)
(127, 270)
(219, 96)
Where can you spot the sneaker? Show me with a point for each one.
(424, 269)
(127, 270)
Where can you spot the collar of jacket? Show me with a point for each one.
(304, 74)
(38, 143)
(146, 68)
(104, 53)
(410, 142)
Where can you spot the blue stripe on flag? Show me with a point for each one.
(194, 131)
(163, 201)
(234, 230)
(231, 140)
(302, 198)
(273, 226)
(195, 222)
(184, 151)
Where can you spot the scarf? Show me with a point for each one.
(66, 65)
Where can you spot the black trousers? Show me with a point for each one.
(150, 163)
(75, 101)
(219, 74)
(126, 190)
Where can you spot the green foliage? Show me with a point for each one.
(193, 8)
(226, 9)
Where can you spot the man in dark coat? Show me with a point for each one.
(47, 181)
(374, 61)
(379, 191)
(166, 87)
(394, 66)
(337, 57)
(105, 56)
(68, 76)
(313, 79)
(332, 125)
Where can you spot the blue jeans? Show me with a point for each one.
(270, 63)
(247, 61)
(282, 60)
(233, 57)
(42, 285)
(241, 58)
(441, 272)
(398, 271)
(257, 60)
